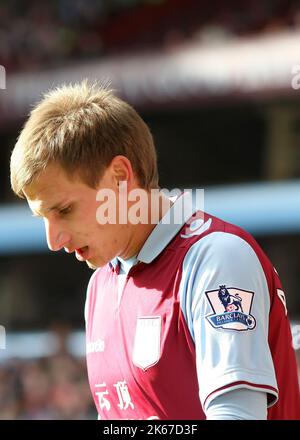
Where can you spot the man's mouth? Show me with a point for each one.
(82, 253)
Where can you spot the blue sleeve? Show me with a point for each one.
(225, 300)
(241, 404)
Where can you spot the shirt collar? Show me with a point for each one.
(126, 265)
(179, 213)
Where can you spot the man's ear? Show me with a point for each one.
(121, 169)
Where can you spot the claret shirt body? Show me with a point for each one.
(201, 312)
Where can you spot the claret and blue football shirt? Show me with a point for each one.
(199, 311)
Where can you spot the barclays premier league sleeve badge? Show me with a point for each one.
(231, 308)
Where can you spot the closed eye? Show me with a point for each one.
(65, 211)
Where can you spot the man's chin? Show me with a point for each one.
(95, 264)
(91, 266)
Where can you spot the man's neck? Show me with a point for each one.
(140, 231)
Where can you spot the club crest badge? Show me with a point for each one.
(231, 308)
(146, 349)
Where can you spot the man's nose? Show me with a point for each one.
(57, 237)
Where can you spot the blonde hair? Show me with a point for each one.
(82, 127)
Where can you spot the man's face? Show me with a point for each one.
(68, 208)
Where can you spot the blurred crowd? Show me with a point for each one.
(52, 388)
(49, 388)
(38, 35)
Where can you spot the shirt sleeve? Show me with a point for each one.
(225, 301)
(240, 404)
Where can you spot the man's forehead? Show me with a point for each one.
(43, 196)
(42, 207)
(50, 182)
(44, 193)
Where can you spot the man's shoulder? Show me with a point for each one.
(218, 247)
(204, 228)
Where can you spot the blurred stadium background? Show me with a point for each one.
(217, 83)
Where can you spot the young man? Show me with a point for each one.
(184, 320)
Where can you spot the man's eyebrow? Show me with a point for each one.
(57, 206)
